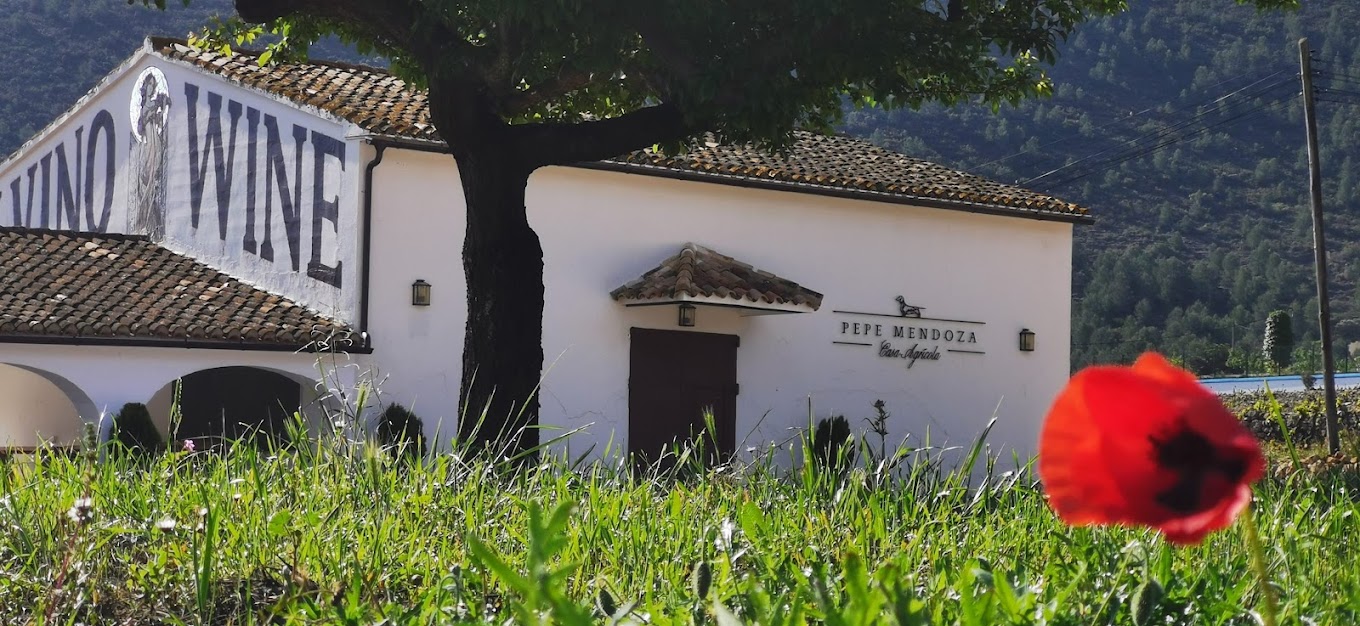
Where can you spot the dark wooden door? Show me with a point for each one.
(672, 378)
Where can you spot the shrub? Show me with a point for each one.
(133, 428)
(1278, 346)
(1304, 413)
(400, 429)
(831, 445)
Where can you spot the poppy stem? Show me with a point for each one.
(1258, 559)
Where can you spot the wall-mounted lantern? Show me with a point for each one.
(1026, 340)
(420, 293)
(687, 314)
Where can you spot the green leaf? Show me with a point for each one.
(498, 567)
(278, 523)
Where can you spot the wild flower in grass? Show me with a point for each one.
(166, 525)
(724, 540)
(189, 445)
(81, 511)
(1146, 445)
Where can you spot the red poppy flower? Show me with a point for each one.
(1146, 445)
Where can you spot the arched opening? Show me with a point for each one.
(39, 407)
(228, 403)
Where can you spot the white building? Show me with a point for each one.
(196, 212)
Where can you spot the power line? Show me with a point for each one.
(1134, 154)
(1131, 117)
(1165, 140)
(1337, 76)
(1224, 104)
(1341, 92)
(1353, 102)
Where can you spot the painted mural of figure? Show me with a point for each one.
(150, 113)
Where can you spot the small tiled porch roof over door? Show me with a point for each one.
(701, 275)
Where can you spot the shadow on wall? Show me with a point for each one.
(35, 410)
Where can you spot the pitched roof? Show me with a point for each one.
(123, 289)
(385, 105)
(699, 272)
(854, 168)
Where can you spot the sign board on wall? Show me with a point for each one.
(908, 335)
(238, 179)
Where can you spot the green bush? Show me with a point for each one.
(1278, 346)
(134, 429)
(401, 430)
(831, 445)
(1304, 413)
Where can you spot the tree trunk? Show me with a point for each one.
(502, 257)
(503, 342)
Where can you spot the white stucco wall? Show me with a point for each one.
(418, 222)
(602, 229)
(296, 232)
(70, 176)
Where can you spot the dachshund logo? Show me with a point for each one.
(908, 310)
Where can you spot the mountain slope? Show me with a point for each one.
(1196, 242)
(54, 51)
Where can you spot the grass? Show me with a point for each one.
(344, 533)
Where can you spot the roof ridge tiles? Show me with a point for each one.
(160, 42)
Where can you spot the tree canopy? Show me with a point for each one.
(747, 71)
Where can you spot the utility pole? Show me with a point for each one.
(1319, 245)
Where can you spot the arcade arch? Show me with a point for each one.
(232, 402)
(40, 407)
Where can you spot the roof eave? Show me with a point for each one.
(720, 301)
(173, 342)
(835, 192)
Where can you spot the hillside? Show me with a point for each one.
(1194, 243)
(54, 51)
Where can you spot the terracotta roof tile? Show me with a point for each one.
(699, 272)
(371, 98)
(385, 105)
(92, 286)
(848, 164)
